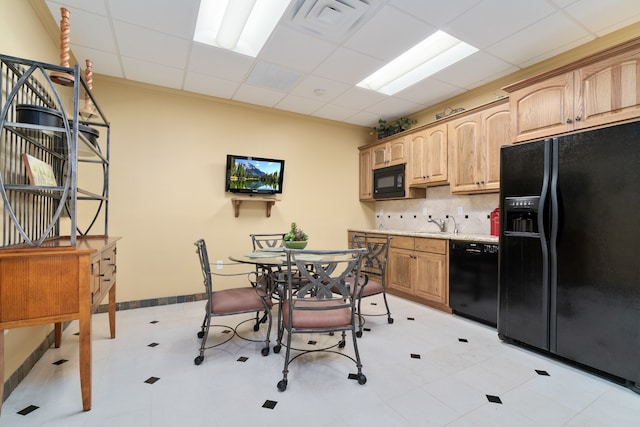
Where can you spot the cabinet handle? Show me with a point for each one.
(578, 118)
(569, 121)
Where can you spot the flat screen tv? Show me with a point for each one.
(254, 175)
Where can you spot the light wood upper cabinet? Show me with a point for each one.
(389, 153)
(542, 109)
(428, 158)
(608, 91)
(495, 133)
(474, 148)
(596, 91)
(366, 174)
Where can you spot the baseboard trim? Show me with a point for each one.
(23, 370)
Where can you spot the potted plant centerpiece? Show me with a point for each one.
(295, 238)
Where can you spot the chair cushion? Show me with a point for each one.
(317, 319)
(239, 300)
(373, 287)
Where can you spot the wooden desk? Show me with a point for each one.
(57, 283)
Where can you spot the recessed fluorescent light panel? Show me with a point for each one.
(431, 55)
(242, 26)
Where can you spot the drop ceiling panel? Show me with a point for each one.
(598, 16)
(219, 63)
(97, 7)
(258, 95)
(436, 13)
(308, 87)
(334, 112)
(550, 34)
(148, 72)
(358, 98)
(388, 34)
(88, 29)
(176, 18)
(493, 20)
(347, 66)
(209, 85)
(298, 104)
(428, 92)
(151, 46)
(484, 67)
(108, 63)
(300, 51)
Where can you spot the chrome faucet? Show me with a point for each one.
(455, 224)
(439, 222)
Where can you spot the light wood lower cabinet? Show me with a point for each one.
(418, 270)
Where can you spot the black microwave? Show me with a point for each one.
(388, 183)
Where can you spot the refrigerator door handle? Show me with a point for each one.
(553, 249)
(548, 166)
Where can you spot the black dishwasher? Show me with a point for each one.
(473, 280)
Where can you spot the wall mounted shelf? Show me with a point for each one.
(237, 201)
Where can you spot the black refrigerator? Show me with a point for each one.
(569, 270)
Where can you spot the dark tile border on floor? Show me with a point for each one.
(21, 373)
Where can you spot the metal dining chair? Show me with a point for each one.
(242, 299)
(312, 306)
(373, 272)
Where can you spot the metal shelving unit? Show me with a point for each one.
(32, 212)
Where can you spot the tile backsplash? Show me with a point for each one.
(471, 212)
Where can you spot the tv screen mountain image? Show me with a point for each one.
(247, 174)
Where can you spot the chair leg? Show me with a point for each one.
(198, 360)
(282, 384)
(361, 378)
(389, 318)
(203, 327)
(278, 346)
(266, 349)
(360, 319)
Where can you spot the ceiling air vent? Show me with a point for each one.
(331, 19)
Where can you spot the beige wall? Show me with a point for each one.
(168, 156)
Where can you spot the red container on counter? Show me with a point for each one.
(495, 222)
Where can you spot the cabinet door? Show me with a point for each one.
(436, 154)
(379, 156)
(608, 91)
(396, 151)
(495, 133)
(366, 175)
(417, 173)
(464, 146)
(542, 109)
(400, 270)
(431, 277)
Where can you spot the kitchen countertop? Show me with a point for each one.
(481, 238)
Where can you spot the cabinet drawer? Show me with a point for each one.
(438, 246)
(402, 242)
(108, 260)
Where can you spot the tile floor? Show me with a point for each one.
(428, 368)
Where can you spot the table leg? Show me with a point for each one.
(85, 358)
(1, 368)
(57, 334)
(112, 310)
